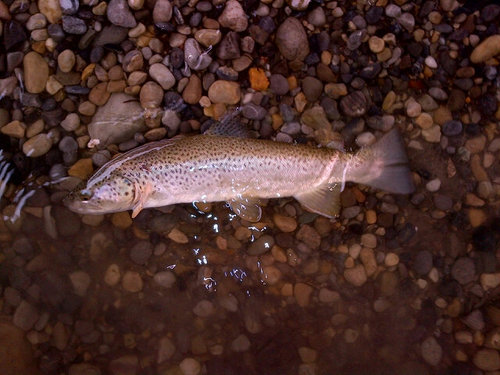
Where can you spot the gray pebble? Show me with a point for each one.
(422, 263)
(253, 112)
(141, 252)
(312, 88)
(452, 128)
(464, 270)
(438, 93)
(278, 84)
(69, 6)
(73, 25)
(119, 14)
(354, 104)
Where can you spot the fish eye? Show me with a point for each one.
(85, 195)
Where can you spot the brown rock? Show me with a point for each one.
(291, 39)
(81, 169)
(16, 356)
(226, 92)
(51, 10)
(36, 72)
(99, 94)
(192, 92)
(487, 49)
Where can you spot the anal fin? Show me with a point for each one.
(247, 208)
(324, 200)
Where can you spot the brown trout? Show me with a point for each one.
(211, 168)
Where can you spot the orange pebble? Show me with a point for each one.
(258, 79)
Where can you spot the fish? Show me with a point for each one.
(224, 164)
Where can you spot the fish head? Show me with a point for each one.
(113, 193)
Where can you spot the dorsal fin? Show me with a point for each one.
(229, 126)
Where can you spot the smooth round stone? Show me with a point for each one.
(413, 108)
(253, 112)
(161, 74)
(407, 21)
(51, 9)
(66, 60)
(487, 359)
(431, 62)
(36, 21)
(424, 120)
(464, 270)
(162, 11)
(312, 88)
(422, 263)
(36, 72)
(433, 185)
(291, 40)
(376, 44)
(354, 104)
(452, 128)
(487, 49)
(164, 278)
(119, 14)
(73, 25)
(193, 90)
(190, 366)
(132, 282)
(151, 95)
(204, 308)
(195, 58)
(438, 93)
(317, 17)
(80, 281)
(68, 145)
(356, 275)
(226, 92)
(208, 37)
(141, 252)
(233, 17)
(392, 10)
(37, 146)
(240, 344)
(284, 223)
(261, 245)
(365, 139)
(431, 351)
(69, 6)
(279, 84)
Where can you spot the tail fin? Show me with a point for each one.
(384, 165)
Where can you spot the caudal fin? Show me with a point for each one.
(384, 165)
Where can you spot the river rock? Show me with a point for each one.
(36, 72)
(38, 145)
(16, 355)
(226, 92)
(291, 40)
(487, 49)
(233, 17)
(161, 74)
(51, 9)
(162, 11)
(119, 14)
(117, 121)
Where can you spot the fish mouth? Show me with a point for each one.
(82, 207)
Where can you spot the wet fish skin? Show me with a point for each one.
(213, 168)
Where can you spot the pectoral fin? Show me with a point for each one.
(324, 200)
(140, 198)
(246, 208)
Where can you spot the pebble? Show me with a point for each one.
(112, 275)
(307, 355)
(177, 236)
(80, 281)
(162, 11)
(261, 245)
(132, 282)
(166, 349)
(240, 344)
(166, 279)
(356, 275)
(487, 49)
(233, 17)
(15, 129)
(204, 308)
(433, 185)
(487, 359)
(36, 72)
(354, 104)
(302, 293)
(190, 366)
(226, 92)
(38, 145)
(279, 84)
(141, 252)
(369, 240)
(452, 128)
(117, 121)
(69, 6)
(25, 316)
(464, 270)
(71, 122)
(291, 40)
(51, 9)
(376, 44)
(161, 74)
(16, 354)
(431, 351)
(119, 14)
(284, 223)
(258, 79)
(73, 25)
